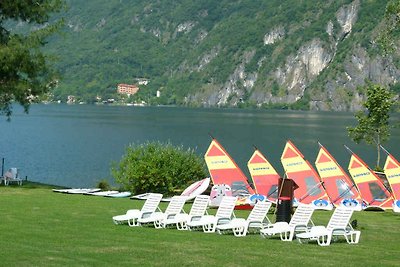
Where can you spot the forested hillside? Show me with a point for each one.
(261, 53)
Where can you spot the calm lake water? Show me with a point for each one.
(74, 145)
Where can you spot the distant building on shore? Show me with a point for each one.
(128, 89)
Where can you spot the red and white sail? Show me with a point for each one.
(340, 188)
(264, 176)
(372, 189)
(311, 190)
(392, 172)
(224, 170)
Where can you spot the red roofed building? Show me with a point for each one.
(129, 89)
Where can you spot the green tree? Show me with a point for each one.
(373, 122)
(24, 69)
(158, 167)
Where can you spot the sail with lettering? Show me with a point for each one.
(224, 170)
(311, 190)
(392, 172)
(264, 176)
(340, 188)
(372, 190)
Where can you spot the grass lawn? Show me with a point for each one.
(41, 228)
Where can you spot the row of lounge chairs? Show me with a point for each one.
(300, 225)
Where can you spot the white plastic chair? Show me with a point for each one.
(11, 176)
(210, 222)
(298, 223)
(131, 216)
(256, 219)
(198, 209)
(174, 208)
(338, 225)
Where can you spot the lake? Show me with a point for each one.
(74, 145)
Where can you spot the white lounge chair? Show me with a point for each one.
(210, 222)
(338, 226)
(298, 223)
(131, 216)
(256, 219)
(174, 208)
(12, 176)
(198, 209)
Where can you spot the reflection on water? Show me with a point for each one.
(75, 145)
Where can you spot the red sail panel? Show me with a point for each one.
(224, 170)
(264, 176)
(392, 172)
(303, 174)
(337, 183)
(370, 186)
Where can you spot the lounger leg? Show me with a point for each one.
(181, 226)
(324, 240)
(158, 224)
(240, 231)
(133, 222)
(353, 237)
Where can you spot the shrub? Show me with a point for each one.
(158, 167)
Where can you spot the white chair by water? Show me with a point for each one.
(257, 219)
(198, 209)
(12, 176)
(131, 216)
(224, 215)
(338, 225)
(298, 223)
(174, 208)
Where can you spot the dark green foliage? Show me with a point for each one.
(158, 167)
(107, 42)
(24, 70)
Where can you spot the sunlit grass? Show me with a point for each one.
(42, 228)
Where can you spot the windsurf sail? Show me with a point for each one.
(372, 190)
(340, 188)
(224, 170)
(392, 172)
(311, 190)
(264, 176)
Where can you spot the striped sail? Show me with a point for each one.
(298, 169)
(338, 185)
(392, 172)
(264, 176)
(370, 186)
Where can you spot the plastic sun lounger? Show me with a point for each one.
(210, 222)
(298, 223)
(338, 225)
(198, 209)
(256, 219)
(174, 208)
(11, 176)
(131, 216)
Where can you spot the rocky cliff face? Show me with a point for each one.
(299, 73)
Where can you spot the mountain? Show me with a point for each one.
(299, 54)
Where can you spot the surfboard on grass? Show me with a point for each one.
(372, 190)
(340, 188)
(77, 190)
(310, 189)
